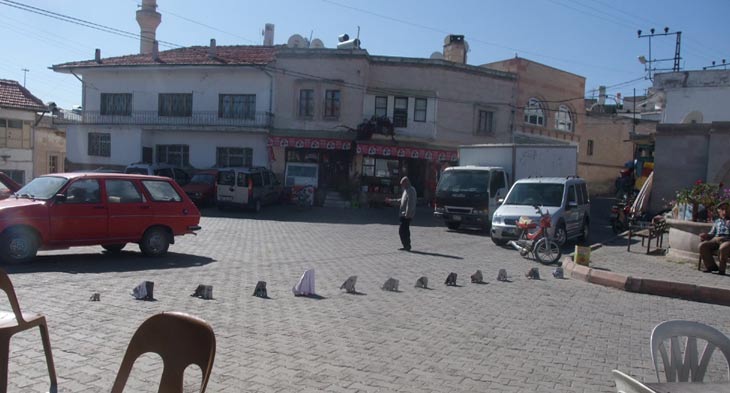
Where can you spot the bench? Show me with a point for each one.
(649, 231)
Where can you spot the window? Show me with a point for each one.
(257, 179)
(237, 106)
(17, 175)
(589, 150)
(306, 103)
(242, 179)
(496, 182)
(15, 124)
(226, 178)
(563, 120)
(534, 113)
(15, 134)
(380, 167)
(419, 113)
(116, 104)
(122, 191)
(583, 188)
(486, 123)
(381, 106)
(400, 112)
(146, 155)
(161, 191)
(100, 144)
(332, 103)
(571, 195)
(53, 163)
(83, 191)
(178, 155)
(579, 193)
(180, 105)
(234, 156)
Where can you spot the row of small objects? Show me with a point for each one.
(305, 285)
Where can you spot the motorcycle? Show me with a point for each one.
(538, 242)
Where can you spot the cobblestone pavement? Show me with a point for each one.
(549, 335)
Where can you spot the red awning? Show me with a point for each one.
(407, 152)
(310, 143)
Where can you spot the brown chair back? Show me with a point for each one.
(7, 286)
(180, 340)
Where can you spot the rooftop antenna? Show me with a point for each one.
(649, 63)
(25, 72)
(309, 41)
(358, 32)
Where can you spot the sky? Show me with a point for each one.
(596, 39)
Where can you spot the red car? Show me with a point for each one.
(7, 186)
(202, 186)
(81, 209)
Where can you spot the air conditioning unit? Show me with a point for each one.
(349, 44)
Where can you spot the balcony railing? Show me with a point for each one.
(197, 118)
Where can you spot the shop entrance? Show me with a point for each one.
(334, 165)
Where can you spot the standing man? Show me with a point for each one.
(407, 211)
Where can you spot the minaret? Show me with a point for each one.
(148, 19)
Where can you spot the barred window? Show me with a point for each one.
(419, 113)
(534, 113)
(116, 104)
(178, 155)
(237, 106)
(306, 103)
(400, 112)
(332, 103)
(381, 106)
(100, 144)
(486, 123)
(563, 119)
(180, 105)
(234, 156)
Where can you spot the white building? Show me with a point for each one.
(693, 96)
(194, 107)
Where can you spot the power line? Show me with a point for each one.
(80, 22)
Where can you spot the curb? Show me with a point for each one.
(647, 286)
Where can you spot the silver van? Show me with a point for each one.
(566, 198)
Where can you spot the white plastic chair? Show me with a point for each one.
(686, 363)
(627, 384)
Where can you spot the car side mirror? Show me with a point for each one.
(60, 198)
(572, 205)
(500, 201)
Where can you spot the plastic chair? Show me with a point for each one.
(686, 363)
(180, 340)
(627, 384)
(17, 321)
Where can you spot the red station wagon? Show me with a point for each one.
(64, 210)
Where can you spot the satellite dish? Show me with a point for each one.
(437, 56)
(296, 41)
(317, 43)
(693, 117)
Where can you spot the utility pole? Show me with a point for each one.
(25, 71)
(723, 65)
(649, 63)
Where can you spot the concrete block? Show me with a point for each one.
(712, 295)
(608, 279)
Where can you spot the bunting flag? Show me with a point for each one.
(407, 152)
(309, 143)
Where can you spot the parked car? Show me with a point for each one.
(251, 188)
(176, 173)
(202, 187)
(80, 209)
(7, 186)
(565, 198)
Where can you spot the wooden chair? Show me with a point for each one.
(655, 230)
(685, 363)
(17, 321)
(627, 384)
(180, 340)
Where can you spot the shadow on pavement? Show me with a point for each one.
(435, 254)
(124, 261)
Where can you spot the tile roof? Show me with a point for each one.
(15, 96)
(193, 55)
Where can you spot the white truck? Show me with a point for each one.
(467, 195)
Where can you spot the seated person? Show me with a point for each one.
(718, 238)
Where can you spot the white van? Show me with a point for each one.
(301, 179)
(247, 187)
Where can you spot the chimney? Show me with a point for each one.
(155, 51)
(97, 55)
(269, 34)
(212, 49)
(455, 48)
(148, 19)
(602, 95)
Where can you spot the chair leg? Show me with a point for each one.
(49, 356)
(4, 358)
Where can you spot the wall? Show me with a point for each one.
(684, 92)
(126, 146)
(48, 141)
(685, 153)
(203, 145)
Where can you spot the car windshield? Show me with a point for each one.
(464, 181)
(136, 171)
(203, 178)
(541, 194)
(44, 187)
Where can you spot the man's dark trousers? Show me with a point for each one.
(405, 232)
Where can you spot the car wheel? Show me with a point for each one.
(561, 235)
(155, 242)
(499, 242)
(19, 245)
(453, 225)
(113, 248)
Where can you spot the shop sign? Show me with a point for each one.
(309, 143)
(417, 153)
